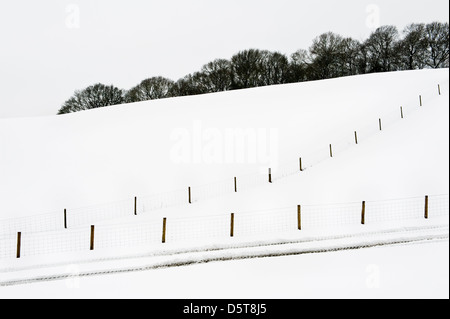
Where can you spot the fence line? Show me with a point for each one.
(204, 229)
(82, 216)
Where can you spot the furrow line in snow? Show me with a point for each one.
(232, 254)
(238, 245)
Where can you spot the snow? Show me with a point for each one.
(403, 271)
(82, 160)
(106, 155)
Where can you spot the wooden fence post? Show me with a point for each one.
(356, 137)
(189, 193)
(379, 124)
(164, 230)
(135, 205)
(439, 89)
(270, 175)
(235, 185)
(401, 111)
(331, 151)
(92, 237)
(232, 225)
(299, 217)
(301, 166)
(65, 218)
(19, 243)
(363, 213)
(426, 207)
(420, 100)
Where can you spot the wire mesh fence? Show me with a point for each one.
(82, 216)
(314, 217)
(239, 225)
(204, 228)
(129, 235)
(154, 202)
(395, 210)
(268, 222)
(47, 227)
(47, 243)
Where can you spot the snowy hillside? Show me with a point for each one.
(376, 143)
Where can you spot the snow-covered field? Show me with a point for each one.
(156, 150)
(417, 270)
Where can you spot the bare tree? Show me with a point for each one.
(274, 68)
(326, 53)
(150, 89)
(382, 50)
(216, 76)
(298, 66)
(189, 85)
(330, 55)
(247, 69)
(437, 41)
(349, 58)
(95, 96)
(413, 47)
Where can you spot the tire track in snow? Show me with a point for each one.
(238, 245)
(267, 251)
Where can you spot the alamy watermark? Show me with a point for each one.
(373, 12)
(73, 279)
(72, 16)
(208, 145)
(373, 276)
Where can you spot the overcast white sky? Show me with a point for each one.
(50, 48)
